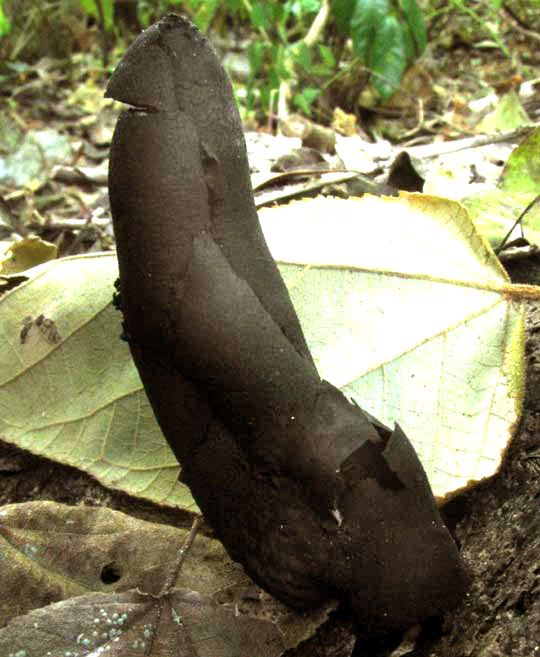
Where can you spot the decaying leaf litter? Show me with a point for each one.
(66, 204)
(91, 567)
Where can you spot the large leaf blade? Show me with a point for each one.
(396, 298)
(406, 309)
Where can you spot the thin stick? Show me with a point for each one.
(171, 579)
(181, 556)
(516, 222)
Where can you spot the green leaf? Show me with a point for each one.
(327, 56)
(303, 56)
(409, 45)
(388, 57)
(235, 6)
(281, 66)
(5, 23)
(205, 14)
(304, 100)
(495, 212)
(108, 11)
(507, 116)
(384, 42)
(256, 53)
(343, 11)
(266, 96)
(299, 8)
(277, 13)
(521, 172)
(258, 16)
(416, 23)
(366, 22)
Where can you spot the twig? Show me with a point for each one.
(420, 122)
(310, 39)
(476, 142)
(181, 556)
(301, 173)
(318, 24)
(516, 222)
(171, 578)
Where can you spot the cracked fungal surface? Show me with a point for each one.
(310, 494)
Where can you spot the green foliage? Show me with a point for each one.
(280, 56)
(205, 11)
(106, 6)
(387, 35)
(202, 11)
(343, 11)
(5, 24)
